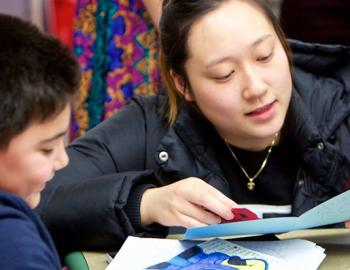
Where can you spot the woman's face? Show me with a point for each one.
(239, 74)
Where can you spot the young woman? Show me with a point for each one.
(238, 124)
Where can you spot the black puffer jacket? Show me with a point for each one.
(94, 202)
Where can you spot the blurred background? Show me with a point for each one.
(54, 16)
(116, 44)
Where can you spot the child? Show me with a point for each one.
(38, 80)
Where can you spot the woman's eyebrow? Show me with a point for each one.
(261, 39)
(229, 57)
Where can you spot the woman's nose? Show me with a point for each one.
(253, 83)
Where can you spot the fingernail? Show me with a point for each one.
(229, 215)
(235, 205)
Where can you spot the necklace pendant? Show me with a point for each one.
(250, 185)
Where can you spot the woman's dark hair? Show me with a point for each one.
(177, 19)
(38, 77)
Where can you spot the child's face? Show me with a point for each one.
(33, 156)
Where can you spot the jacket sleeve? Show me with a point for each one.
(22, 244)
(85, 205)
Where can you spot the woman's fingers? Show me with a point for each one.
(189, 202)
(347, 224)
(199, 214)
(189, 222)
(212, 199)
(220, 204)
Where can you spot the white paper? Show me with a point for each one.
(139, 253)
(302, 254)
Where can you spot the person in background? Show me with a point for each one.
(322, 21)
(39, 78)
(242, 121)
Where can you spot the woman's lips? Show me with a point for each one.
(263, 113)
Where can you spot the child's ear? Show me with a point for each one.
(181, 86)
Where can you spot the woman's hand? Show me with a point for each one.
(189, 202)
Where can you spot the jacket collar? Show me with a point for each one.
(299, 125)
(188, 144)
(198, 134)
(320, 159)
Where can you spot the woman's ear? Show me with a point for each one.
(181, 86)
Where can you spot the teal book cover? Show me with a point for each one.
(332, 211)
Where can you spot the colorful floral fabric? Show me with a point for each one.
(116, 46)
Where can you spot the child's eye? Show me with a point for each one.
(47, 151)
(223, 78)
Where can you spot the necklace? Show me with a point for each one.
(251, 184)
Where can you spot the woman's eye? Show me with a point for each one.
(265, 58)
(223, 78)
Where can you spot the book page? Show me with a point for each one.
(294, 251)
(251, 227)
(328, 236)
(334, 210)
(139, 253)
(222, 254)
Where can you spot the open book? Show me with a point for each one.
(140, 253)
(150, 253)
(333, 211)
